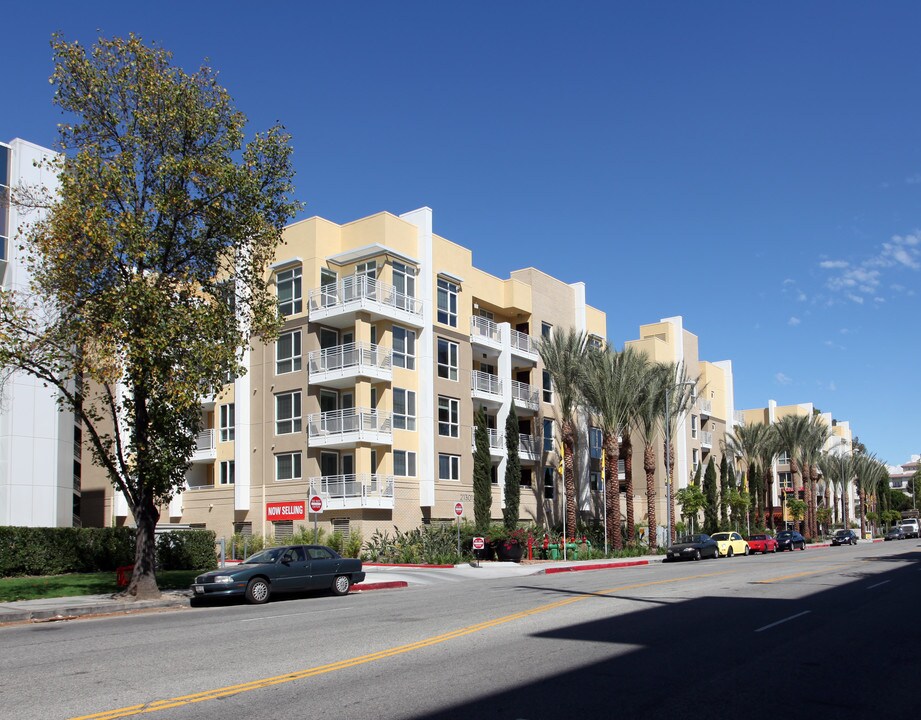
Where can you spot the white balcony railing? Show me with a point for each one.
(530, 446)
(353, 491)
(482, 382)
(738, 417)
(352, 356)
(523, 343)
(357, 288)
(706, 406)
(496, 439)
(706, 438)
(205, 440)
(525, 394)
(483, 329)
(348, 421)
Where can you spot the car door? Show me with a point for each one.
(292, 570)
(738, 544)
(323, 566)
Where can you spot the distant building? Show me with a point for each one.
(899, 475)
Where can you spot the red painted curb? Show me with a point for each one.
(405, 565)
(380, 585)
(605, 566)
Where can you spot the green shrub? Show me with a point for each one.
(186, 550)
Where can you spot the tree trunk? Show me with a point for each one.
(627, 453)
(569, 479)
(649, 465)
(769, 484)
(863, 511)
(794, 471)
(143, 584)
(670, 491)
(612, 491)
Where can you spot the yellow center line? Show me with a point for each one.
(230, 690)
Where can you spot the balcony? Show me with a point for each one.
(205, 447)
(485, 332)
(524, 346)
(339, 366)
(705, 406)
(706, 440)
(345, 428)
(738, 417)
(496, 442)
(486, 387)
(525, 397)
(336, 304)
(352, 492)
(530, 447)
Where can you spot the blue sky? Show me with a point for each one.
(753, 167)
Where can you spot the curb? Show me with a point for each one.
(422, 566)
(389, 585)
(596, 566)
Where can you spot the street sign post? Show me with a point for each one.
(458, 510)
(316, 507)
(479, 543)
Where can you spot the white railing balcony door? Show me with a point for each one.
(524, 346)
(706, 439)
(485, 386)
(525, 396)
(496, 442)
(339, 300)
(345, 428)
(339, 366)
(484, 331)
(706, 407)
(530, 447)
(205, 447)
(348, 492)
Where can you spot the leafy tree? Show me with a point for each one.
(482, 481)
(739, 502)
(512, 472)
(796, 508)
(692, 501)
(150, 263)
(710, 490)
(695, 481)
(724, 493)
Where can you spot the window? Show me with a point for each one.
(447, 302)
(448, 417)
(227, 422)
(228, 474)
(594, 480)
(288, 413)
(404, 348)
(448, 467)
(695, 458)
(288, 352)
(548, 435)
(545, 329)
(404, 280)
(595, 342)
(404, 463)
(447, 359)
(549, 483)
(288, 466)
(368, 269)
(785, 480)
(404, 409)
(288, 287)
(784, 458)
(494, 474)
(548, 388)
(526, 479)
(693, 426)
(595, 442)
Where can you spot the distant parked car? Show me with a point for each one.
(844, 537)
(790, 540)
(730, 543)
(288, 568)
(761, 543)
(896, 533)
(693, 547)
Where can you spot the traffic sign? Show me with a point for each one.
(316, 504)
(459, 509)
(479, 543)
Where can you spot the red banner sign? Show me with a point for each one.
(285, 510)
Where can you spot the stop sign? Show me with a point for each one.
(479, 543)
(459, 509)
(316, 504)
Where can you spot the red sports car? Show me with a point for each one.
(761, 544)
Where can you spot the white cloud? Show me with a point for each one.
(833, 264)
(782, 379)
(913, 179)
(794, 321)
(802, 297)
(832, 386)
(865, 278)
(855, 298)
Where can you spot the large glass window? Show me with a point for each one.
(785, 480)
(448, 467)
(404, 409)
(404, 463)
(549, 483)
(447, 359)
(548, 435)
(448, 417)
(288, 413)
(228, 472)
(546, 329)
(447, 302)
(227, 422)
(404, 279)
(548, 387)
(288, 352)
(595, 442)
(404, 348)
(288, 466)
(288, 287)
(693, 426)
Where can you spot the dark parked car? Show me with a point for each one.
(790, 540)
(693, 547)
(844, 537)
(896, 533)
(289, 568)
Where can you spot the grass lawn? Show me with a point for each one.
(50, 586)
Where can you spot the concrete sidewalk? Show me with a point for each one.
(378, 577)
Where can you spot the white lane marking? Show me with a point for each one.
(877, 584)
(780, 622)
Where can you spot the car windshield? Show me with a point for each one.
(784, 534)
(720, 536)
(691, 539)
(842, 533)
(266, 556)
(758, 537)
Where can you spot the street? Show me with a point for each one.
(821, 633)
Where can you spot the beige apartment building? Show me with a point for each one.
(391, 342)
(700, 432)
(840, 441)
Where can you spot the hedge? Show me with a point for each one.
(56, 551)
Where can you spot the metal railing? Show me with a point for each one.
(481, 327)
(524, 343)
(706, 406)
(706, 438)
(350, 420)
(205, 440)
(496, 439)
(353, 487)
(530, 444)
(350, 355)
(362, 287)
(524, 393)
(485, 383)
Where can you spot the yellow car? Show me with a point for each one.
(730, 543)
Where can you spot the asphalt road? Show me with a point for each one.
(826, 633)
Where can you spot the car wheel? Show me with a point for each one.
(774, 549)
(729, 552)
(746, 550)
(257, 591)
(697, 554)
(341, 585)
(803, 546)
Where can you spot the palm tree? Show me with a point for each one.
(611, 385)
(647, 421)
(681, 393)
(768, 449)
(745, 444)
(870, 472)
(838, 470)
(792, 434)
(563, 356)
(816, 436)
